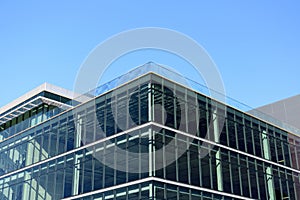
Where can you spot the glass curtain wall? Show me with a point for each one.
(174, 128)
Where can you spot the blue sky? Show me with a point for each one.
(255, 44)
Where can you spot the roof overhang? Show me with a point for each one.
(20, 105)
(23, 108)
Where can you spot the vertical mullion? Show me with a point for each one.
(230, 171)
(240, 175)
(249, 177)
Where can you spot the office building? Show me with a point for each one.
(149, 134)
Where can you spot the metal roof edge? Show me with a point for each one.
(43, 87)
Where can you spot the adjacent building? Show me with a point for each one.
(286, 110)
(148, 134)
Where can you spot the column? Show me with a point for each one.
(266, 151)
(76, 171)
(215, 119)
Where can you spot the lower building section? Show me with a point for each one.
(179, 165)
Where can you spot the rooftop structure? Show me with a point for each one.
(32, 108)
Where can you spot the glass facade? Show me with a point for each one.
(151, 138)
